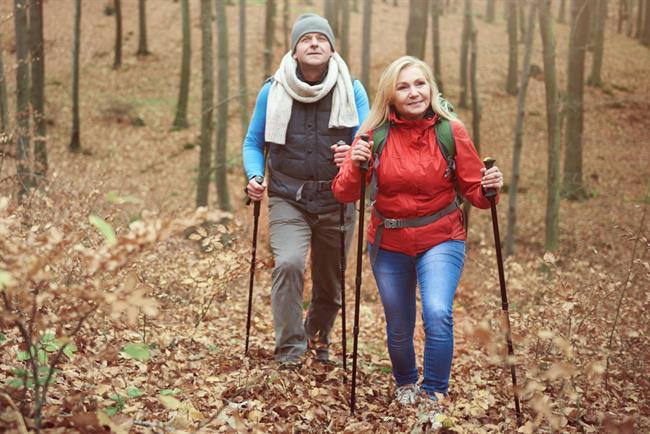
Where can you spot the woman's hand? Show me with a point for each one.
(361, 151)
(492, 178)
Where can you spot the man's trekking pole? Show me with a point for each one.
(363, 169)
(256, 219)
(490, 194)
(342, 276)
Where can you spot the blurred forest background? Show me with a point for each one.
(123, 298)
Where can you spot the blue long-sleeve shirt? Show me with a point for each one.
(253, 149)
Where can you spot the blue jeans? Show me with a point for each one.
(437, 271)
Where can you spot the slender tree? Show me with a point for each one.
(598, 22)
(572, 186)
(622, 15)
(269, 37)
(243, 88)
(38, 88)
(180, 120)
(355, 5)
(75, 141)
(345, 30)
(142, 21)
(511, 83)
(629, 26)
(22, 97)
(645, 35)
(561, 17)
(552, 220)
(4, 107)
(521, 20)
(285, 24)
(117, 62)
(489, 11)
(365, 44)
(464, 52)
(519, 132)
(436, 6)
(476, 111)
(641, 6)
(417, 26)
(331, 13)
(221, 157)
(207, 104)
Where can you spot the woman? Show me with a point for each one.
(413, 185)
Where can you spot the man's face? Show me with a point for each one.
(313, 49)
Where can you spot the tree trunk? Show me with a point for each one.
(345, 30)
(331, 9)
(521, 19)
(476, 112)
(38, 89)
(598, 46)
(642, 5)
(511, 84)
(365, 44)
(629, 25)
(519, 133)
(417, 26)
(552, 221)
(180, 121)
(464, 52)
(207, 104)
(435, 28)
(22, 97)
(285, 25)
(243, 88)
(573, 187)
(561, 18)
(645, 37)
(622, 15)
(142, 21)
(355, 5)
(75, 141)
(117, 62)
(269, 37)
(221, 157)
(4, 108)
(489, 12)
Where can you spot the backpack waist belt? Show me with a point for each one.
(407, 223)
(298, 185)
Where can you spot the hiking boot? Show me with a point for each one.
(321, 350)
(407, 394)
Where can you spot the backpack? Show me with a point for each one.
(446, 143)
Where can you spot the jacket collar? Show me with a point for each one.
(428, 121)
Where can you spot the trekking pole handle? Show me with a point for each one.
(489, 163)
(259, 180)
(364, 164)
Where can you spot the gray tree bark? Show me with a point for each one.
(417, 26)
(207, 104)
(511, 82)
(345, 30)
(117, 62)
(572, 186)
(435, 30)
(476, 112)
(75, 141)
(642, 5)
(561, 18)
(221, 156)
(285, 24)
(180, 120)
(519, 133)
(552, 219)
(4, 108)
(269, 37)
(490, 11)
(142, 25)
(645, 36)
(464, 52)
(598, 22)
(22, 98)
(38, 89)
(365, 44)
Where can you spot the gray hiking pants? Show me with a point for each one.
(292, 233)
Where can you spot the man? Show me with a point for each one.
(309, 105)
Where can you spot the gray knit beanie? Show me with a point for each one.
(310, 23)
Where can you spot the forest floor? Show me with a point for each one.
(579, 316)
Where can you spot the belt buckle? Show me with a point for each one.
(392, 224)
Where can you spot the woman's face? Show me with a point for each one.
(412, 95)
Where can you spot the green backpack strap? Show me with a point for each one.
(447, 144)
(379, 137)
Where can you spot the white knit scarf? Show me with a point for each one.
(287, 86)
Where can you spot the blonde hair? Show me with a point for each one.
(381, 106)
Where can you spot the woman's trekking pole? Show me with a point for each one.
(363, 169)
(256, 219)
(342, 267)
(490, 194)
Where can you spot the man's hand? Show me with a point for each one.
(255, 190)
(339, 153)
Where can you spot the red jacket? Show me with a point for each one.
(411, 183)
